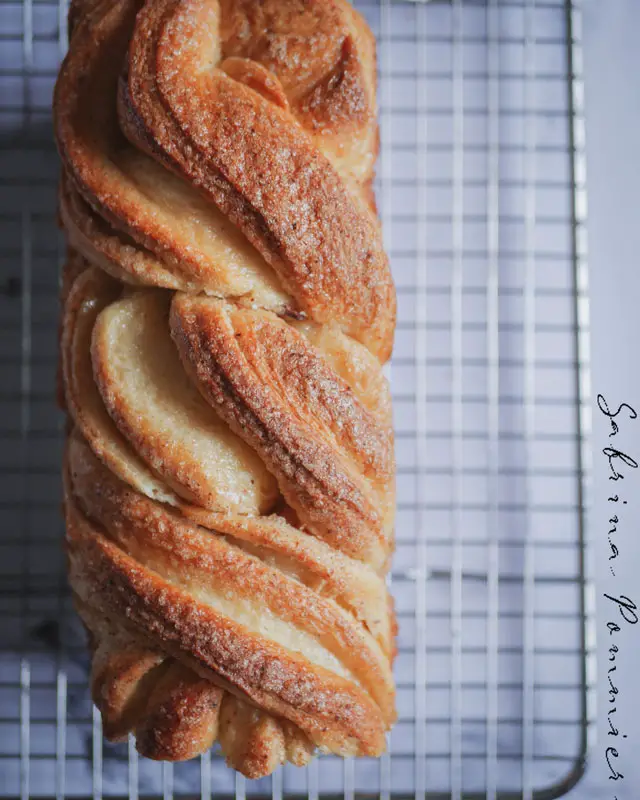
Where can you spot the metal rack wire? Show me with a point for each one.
(481, 192)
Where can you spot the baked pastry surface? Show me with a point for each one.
(227, 309)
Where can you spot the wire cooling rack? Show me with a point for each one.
(481, 192)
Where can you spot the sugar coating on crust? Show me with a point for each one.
(226, 310)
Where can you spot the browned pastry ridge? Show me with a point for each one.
(227, 309)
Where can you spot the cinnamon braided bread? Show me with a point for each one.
(227, 308)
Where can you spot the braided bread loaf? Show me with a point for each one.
(227, 307)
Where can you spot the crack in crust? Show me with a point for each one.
(227, 305)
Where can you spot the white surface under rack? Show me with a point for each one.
(480, 188)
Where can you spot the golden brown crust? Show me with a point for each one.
(324, 58)
(181, 720)
(91, 292)
(227, 304)
(215, 569)
(145, 208)
(99, 243)
(161, 414)
(353, 585)
(330, 709)
(317, 234)
(254, 743)
(120, 670)
(260, 170)
(333, 460)
(173, 712)
(176, 714)
(73, 266)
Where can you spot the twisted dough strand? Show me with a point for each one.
(227, 306)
